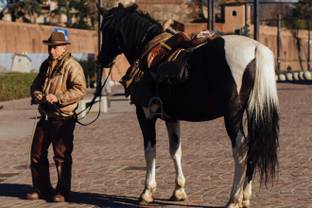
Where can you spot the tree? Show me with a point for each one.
(303, 13)
(63, 8)
(79, 13)
(85, 12)
(27, 10)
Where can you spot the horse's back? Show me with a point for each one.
(215, 78)
(205, 95)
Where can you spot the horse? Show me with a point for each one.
(231, 77)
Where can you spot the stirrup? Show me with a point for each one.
(156, 100)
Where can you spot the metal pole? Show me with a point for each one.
(309, 47)
(100, 19)
(210, 5)
(246, 14)
(278, 42)
(100, 41)
(256, 19)
(212, 14)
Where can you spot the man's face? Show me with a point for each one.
(56, 51)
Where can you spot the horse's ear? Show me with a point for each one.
(102, 11)
(132, 7)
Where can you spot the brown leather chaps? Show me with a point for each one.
(59, 132)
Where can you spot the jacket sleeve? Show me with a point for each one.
(37, 85)
(76, 85)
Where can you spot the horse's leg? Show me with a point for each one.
(149, 135)
(176, 154)
(247, 192)
(233, 124)
(242, 182)
(248, 182)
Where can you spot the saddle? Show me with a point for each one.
(167, 63)
(173, 46)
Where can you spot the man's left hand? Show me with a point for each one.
(50, 98)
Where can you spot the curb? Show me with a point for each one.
(296, 76)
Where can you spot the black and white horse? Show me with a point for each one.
(232, 76)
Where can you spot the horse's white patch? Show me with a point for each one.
(239, 154)
(173, 129)
(150, 157)
(239, 52)
(150, 181)
(247, 193)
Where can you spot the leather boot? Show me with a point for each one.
(64, 181)
(33, 195)
(59, 198)
(42, 187)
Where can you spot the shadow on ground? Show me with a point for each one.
(99, 200)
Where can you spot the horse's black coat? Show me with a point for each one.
(209, 86)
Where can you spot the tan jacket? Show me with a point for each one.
(65, 80)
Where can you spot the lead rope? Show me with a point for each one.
(98, 93)
(31, 138)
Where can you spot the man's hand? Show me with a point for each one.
(50, 98)
(37, 97)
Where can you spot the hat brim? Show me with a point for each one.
(46, 42)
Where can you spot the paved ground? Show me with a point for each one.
(109, 163)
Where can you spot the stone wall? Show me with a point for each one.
(27, 38)
(21, 38)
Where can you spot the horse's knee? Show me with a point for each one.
(37, 158)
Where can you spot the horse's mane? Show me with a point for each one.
(147, 16)
(115, 14)
(134, 23)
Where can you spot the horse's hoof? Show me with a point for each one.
(143, 203)
(246, 203)
(178, 195)
(232, 205)
(145, 199)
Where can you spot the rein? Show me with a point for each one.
(97, 94)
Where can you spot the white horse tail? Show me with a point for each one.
(262, 116)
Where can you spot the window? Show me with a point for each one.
(234, 13)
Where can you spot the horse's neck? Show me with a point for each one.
(135, 34)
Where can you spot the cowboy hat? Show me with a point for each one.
(56, 38)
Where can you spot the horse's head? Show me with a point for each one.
(111, 34)
(126, 30)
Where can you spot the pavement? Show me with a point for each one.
(109, 165)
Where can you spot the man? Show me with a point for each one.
(57, 88)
